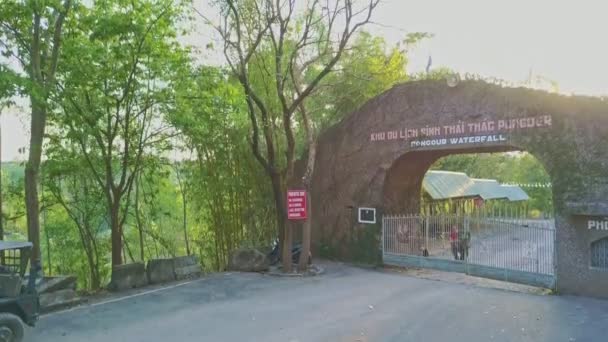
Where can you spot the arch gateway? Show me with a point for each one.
(377, 158)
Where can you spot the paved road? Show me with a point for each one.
(345, 304)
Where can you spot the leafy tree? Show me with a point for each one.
(368, 68)
(282, 44)
(72, 186)
(31, 32)
(117, 70)
(13, 202)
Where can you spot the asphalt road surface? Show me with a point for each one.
(344, 304)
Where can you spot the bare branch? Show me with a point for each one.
(35, 51)
(57, 42)
(346, 35)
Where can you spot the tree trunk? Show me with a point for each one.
(127, 248)
(287, 246)
(185, 223)
(141, 242)
(94, 272)
(277, 193)
(138, 221)
(92, 265)
(32, 173)
(116, 234)
(306, 230)
(48, 249)
(307, 182)
(182, 191)
(284, 230)
(95, 279)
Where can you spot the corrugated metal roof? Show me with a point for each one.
(487, 189)
(515, 193)
(6, 245)
(446, 184)
(441, 185)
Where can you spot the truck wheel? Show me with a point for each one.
(11, 328)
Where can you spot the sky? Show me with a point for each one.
(564, 41)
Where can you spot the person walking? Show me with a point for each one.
(454, 241)
(464, 240)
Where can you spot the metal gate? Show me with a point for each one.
(510, 249)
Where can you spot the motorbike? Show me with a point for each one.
(296, 250)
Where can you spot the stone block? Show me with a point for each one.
(128, 276)
(188, 272)
(160, 271)
(186, 267)
(187, 260)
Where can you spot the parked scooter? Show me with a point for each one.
(296, 250)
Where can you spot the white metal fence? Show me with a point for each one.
(496, 243)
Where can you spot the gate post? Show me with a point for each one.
(425, 226)
(467, 232)
(383, 241)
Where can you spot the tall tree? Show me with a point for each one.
(228, 189)
(366, 69)
(117, 75)
(269, 46)
(31, 32)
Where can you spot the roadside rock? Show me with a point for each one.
(248, 260)
(50, 301)
(52, 284)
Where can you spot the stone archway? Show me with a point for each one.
(399, 192)
(377, 156)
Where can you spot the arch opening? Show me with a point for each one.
(467, 211)
(513, 184)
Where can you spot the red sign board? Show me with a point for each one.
(296, 205)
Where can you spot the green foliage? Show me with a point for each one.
(366, 70)
(8, 84)
(13, 206)
(364, 246)
(229, 191)
(134, 126)
(117, 70)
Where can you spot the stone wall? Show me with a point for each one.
(354, 171)
(178, 268)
